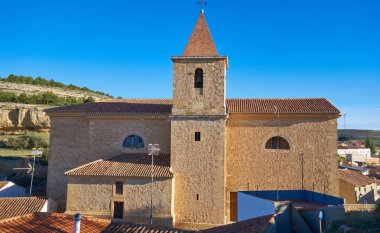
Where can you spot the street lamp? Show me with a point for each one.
(153, 149)
(35, 152)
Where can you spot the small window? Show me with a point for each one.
(198, 78)
(133, 141)
(119, 187)
(277, 143)
(197, 136)
(197, 197)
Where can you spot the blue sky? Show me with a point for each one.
(276, 48)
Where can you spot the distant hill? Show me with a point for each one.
(358, 134)
(28, 90)
(39, 81)
(23, 100)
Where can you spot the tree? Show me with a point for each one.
(370, 143)
(37, 142)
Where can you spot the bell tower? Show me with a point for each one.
(199, 84)
(198, 124)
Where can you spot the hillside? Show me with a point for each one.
(23, 100)
(358, 134)
(34, 86)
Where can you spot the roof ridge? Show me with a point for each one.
(86, 164)
(280, 98)
(32, 197)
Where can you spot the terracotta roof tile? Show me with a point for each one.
(3, 183)
(64, 223)
(254, 225)
(296, 105)
(125, 227)
(354, 178)
(126, 106)
(14, 206)
(50, 222)
(200, 42)
(126, 165)
(164, 106)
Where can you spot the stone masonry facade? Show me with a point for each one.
(213, 150)
(76, 141)
(136, 196)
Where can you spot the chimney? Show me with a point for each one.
(77, 223)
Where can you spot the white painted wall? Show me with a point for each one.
(250, 206)
(12, 190)
(355, 152)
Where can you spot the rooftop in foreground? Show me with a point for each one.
(14, 206)
(64, 223)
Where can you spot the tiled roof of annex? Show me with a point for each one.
(14, 206)
(64, 223)
(354, 178)
(164, 106)
(126, 165)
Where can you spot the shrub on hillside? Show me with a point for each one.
(45, 155)
(48, 98)
(35, 141)
(17, 143)
(26, 142)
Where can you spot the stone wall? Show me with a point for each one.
(69, 146)
(198, 168)
(185, 99)
(108, 135)
(95, 195)
(90, 195)
(252, 167)
(79, 140)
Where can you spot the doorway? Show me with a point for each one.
(118, 209)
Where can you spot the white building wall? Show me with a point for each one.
(12, 190)
(362, 151)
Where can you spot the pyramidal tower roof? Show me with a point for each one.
(200, 42)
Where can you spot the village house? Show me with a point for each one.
(15, 206)
(211, 147)
(356, 188)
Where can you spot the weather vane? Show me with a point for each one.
(202, 3)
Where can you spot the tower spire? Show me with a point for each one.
(200, 42)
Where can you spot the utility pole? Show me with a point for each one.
(302, 175)
(35, 152)
(277, 152)
(153, 149)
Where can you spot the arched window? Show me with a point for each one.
(277, 143)
(133, 141)
(198, 78)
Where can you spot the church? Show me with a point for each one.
(211, 147)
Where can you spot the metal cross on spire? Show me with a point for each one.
(202, 3)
